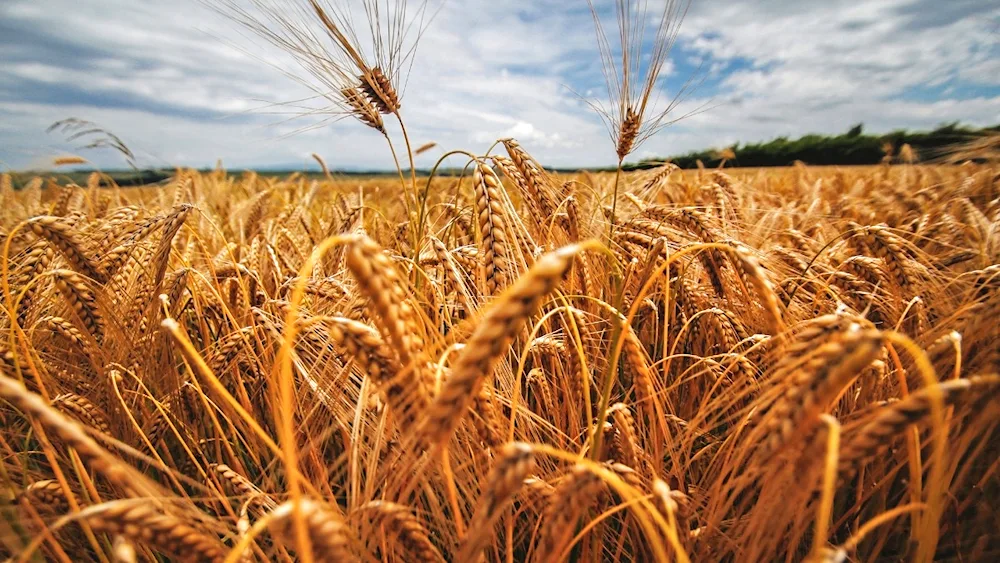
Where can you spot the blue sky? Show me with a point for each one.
(168, 78)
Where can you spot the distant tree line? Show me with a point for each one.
(852, 147)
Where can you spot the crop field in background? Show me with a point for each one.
(750, 365)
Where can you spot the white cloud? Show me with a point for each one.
(167, 78)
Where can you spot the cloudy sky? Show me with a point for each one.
(174, 79)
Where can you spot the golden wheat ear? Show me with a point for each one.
(141, 522)
(490, 340)
(356, 60)
(327, 531)
(398, 320)
(380, 90)
(403, 526)
(815, 382)
(516, 461)
(61, 234)
(492, 228)
(632, 70)
(876, 436)
(362, 108)
(572, 497)
(46, 496)
(82, 301)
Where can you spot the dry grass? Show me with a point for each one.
(760, 365)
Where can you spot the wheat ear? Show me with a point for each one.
(753, 275)
(490, 340)
(571, 498)
(363, 108)
(628, 132)
(812, 385)
(46, 495)
(61, 234)
(404, 526)
(362, 343)
(492, 227)
(36, 259)
(380, 90)
(327, 530)
(382, 284)
(537, 183)
(83, 301)
(140, 521)
(515, 463)
(82, 410)
(876, 436)
(65, 329)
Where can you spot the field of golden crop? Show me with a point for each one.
(739, 365)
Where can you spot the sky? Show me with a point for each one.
(182, 85)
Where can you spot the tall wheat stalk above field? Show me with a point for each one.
(632, 113)
(362, 73)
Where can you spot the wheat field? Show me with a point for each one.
(505, 364)
(779, 364)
